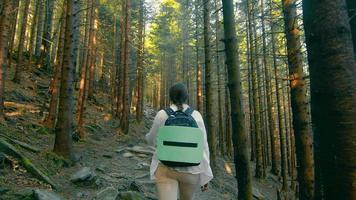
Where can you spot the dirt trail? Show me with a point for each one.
(103, 150)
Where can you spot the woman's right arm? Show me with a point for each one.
(157, 123)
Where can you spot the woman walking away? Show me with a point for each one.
(181, 162)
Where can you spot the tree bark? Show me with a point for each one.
(40, 23)
(82, 96)
(255, 92)
(198, 65)
(140, 54)
(93, 51)
(333, 96)
(351, 5)
(53, 105)
(241, 157)
(210, 117)
(20, 62)
(124, 122)
(271, 117)
(5, 24)
(47, 36)
(64, 127)
(33, 32)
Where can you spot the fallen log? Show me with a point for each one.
(27, 164)
(22, 144)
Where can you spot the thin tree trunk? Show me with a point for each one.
(16, 7)
(333, 93)
(219, 65)
(250, 96)
(256, 104)
(82, 96)
(20, 62)
(64, 127)
(241, 156)
(124, 123)
(93, 52)
(5, 24)
(139, 105)
(40, 23)
(33, 32)
(47, 35)
(199, 68)
(210, 117)
(351, 6)
(271, 117)
(53, 105)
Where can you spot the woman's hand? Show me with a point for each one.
(204, 188)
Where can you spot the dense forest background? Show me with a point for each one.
(274, 79)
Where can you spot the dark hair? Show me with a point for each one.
(178, 94)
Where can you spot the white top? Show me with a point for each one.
(203, 169)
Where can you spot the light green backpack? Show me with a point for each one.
(180, 146)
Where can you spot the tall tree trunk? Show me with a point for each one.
(250, 96)
(333, 93)
(93, 52)
(64, 126)
(199, 80)
(53, 105)
(210, 117)
(40, 23)
(241, 156)
(114, 67)
(33, 31)
(279, 113)
(271, 117)
(47, 35)
(275, 136)
(219, 65)
(255, 93)
(5, 24)
(124, 123)
(119, 74)
(20, 62)
(16, 6)
(351, 5)
(82, 96)
(139, 105)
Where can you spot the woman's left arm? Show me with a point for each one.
(151, 136)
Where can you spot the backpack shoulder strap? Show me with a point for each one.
(189, 111)
(169, 111)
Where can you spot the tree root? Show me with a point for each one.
(11, 150)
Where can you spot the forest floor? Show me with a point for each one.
(113, 158)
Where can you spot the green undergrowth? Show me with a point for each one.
(53, 162)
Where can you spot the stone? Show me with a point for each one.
(100, 168)
(107, 156)
(82, 195)
(129, 195)
(119, 150)
(257, 194)
(128, 155)
(109, 193)
(142, 155)
(3, 190)
(41, 194)
(83, 175)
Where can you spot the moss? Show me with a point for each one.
(54, 162)
(40, 129)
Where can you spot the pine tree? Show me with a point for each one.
(333, 93)
(301, 122)
(241, 157)
(64, 126)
